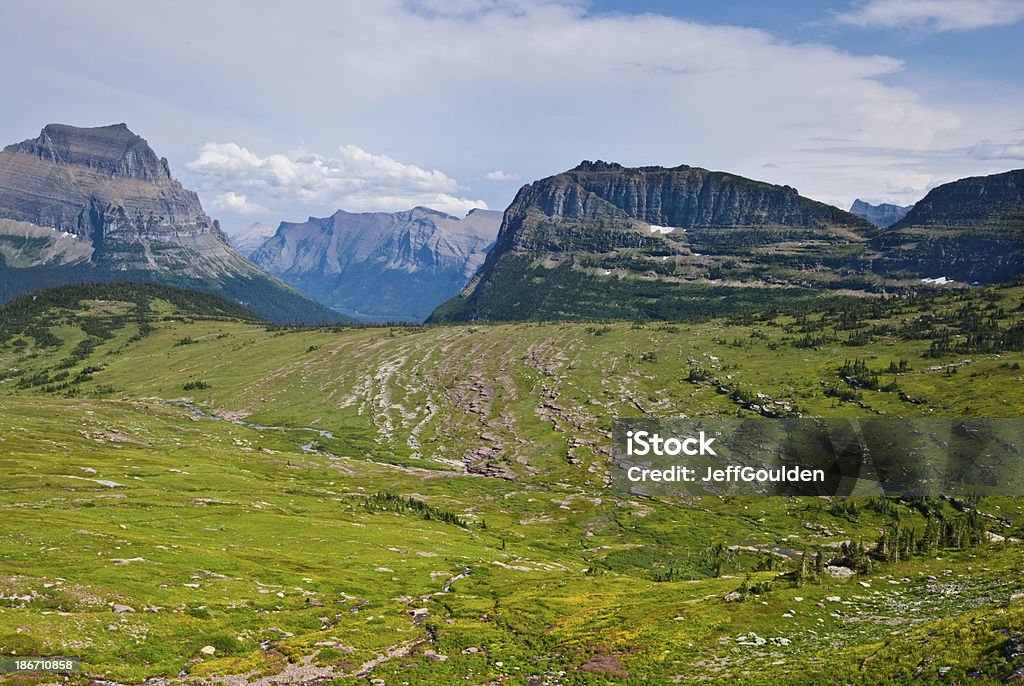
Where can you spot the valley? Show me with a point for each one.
(448, 516)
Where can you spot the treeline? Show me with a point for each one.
(966, 322)
(942, 531)
(389, 502)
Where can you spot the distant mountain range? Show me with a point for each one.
(249, 239)
(97, 204)
(598, 241)
(607, 241)
(883, 216)
(381, 266)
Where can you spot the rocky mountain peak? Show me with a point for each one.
(381, 265)
(422, 211)
(114, 150)
(649, 234)
(101, 198)
(95, 182)
(683, 196)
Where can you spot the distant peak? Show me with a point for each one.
(883, 215)
(421, 211)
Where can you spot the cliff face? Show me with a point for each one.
(968, 230)
(646, 232)
(106, 190)
(70, 178)
(883, 216)
(384, 266)
(978, 201)
(691, 197)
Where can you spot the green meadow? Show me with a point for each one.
(193, 496)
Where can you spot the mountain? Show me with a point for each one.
(602, 240)
(378, 265)
(248, 240)
(883, 216)
(97, 204)
(968, 230)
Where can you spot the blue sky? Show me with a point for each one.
(277, 112)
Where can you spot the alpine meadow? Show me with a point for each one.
(501, 342)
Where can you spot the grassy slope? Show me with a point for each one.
(237, 526)
(263, 294)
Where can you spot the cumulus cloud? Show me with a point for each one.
(354, 180)
(935, 15)
(498, 175)
(535, 86)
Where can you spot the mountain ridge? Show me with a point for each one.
(969, 230)
(640, 232)
(380, 265)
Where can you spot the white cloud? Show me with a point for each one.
(988, 150)
(535, 86)
(498, 175)
(233, 202)
(935, 15)
(354, 180)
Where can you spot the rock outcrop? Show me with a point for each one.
(379, 265)
(128, 219)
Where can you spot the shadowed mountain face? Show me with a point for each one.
(378, 265)
(968, 230)
(603, 240)
(883, 216)
(97, 204)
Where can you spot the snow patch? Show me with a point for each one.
(665, 229)
(937, 280)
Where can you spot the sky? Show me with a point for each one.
(277, 111)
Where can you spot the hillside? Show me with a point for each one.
(97, 204)
(385, 266)
(213, 475)
(607, 241)
(27, 310)
(971, 230)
